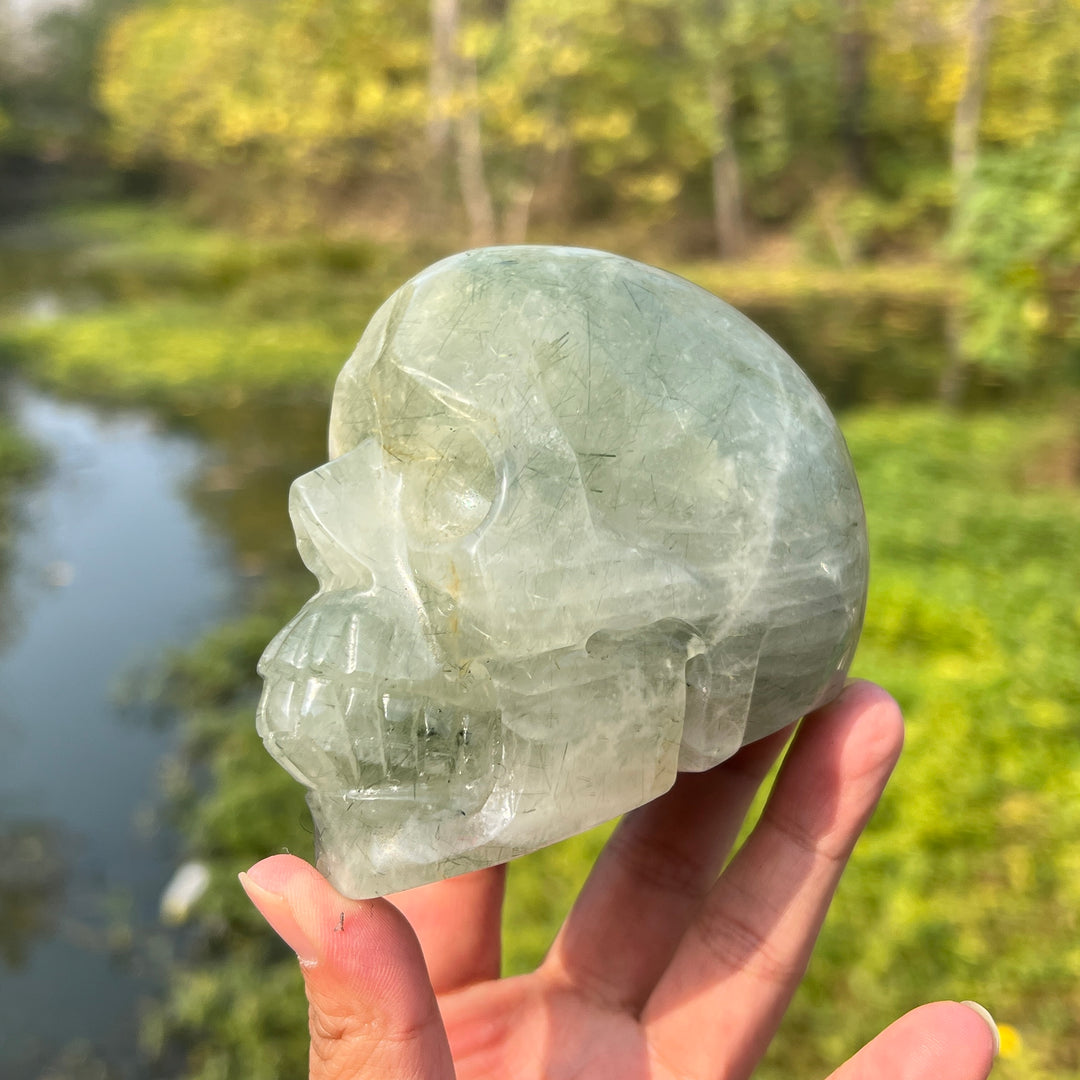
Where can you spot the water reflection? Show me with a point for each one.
(253, 455)
(111, 567)
(33, 874)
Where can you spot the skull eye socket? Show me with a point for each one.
(449, 480)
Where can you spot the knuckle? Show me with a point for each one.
(328, 1031)
(658, 866)
(816, 845)
(738, 945)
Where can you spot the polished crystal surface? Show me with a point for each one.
(584, 525)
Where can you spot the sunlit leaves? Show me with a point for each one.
(291, 85)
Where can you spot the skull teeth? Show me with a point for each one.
(394, 744)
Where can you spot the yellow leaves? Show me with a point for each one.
(1048, 714)
(963, 668)
(1021, 809)
(806, 11)
(1035, 313)
(568, 60)
(655, 189)
(530, 129)
(1019, 863)
(478, 39)
(199, 81)
(370, 98)
(611, 126)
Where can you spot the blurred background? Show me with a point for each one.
(201, 204)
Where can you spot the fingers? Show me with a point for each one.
(720, 1002)
(945, 1039)
(651, 878)
(371, 1008)
(459, 924)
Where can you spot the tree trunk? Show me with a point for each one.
(445, 15)
(965, 141)
(475, 193)
(965, 153)
(728, 219)
(515, 225)
(853, 90)
(954, 378)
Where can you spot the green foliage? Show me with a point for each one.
(159, 350)
(965, 885)
(19, 458)
(285, 97)
(20, 463)
(613, 103)
(540, 890)
(47, 93)
(1019, 236)
(237, 1002)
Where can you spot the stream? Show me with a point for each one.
(111, 567)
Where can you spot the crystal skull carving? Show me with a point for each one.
(584, 525)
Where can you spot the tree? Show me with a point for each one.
(965, 148)
(1018, 237)
(1017, 215)
(710, 39)
(296, 96)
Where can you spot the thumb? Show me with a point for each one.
(372, 1011)
(947, 1038)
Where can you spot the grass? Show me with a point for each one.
(766, 283)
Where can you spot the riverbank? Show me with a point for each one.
(170, 313)
(21, 460)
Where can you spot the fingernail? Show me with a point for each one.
(985, 1014)
(276, 910)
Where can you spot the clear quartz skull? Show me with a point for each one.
(584, 525)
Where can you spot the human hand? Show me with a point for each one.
(662, 971)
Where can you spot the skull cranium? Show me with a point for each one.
(584, 525)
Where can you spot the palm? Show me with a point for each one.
(662, 967)
(665, 969)
(523, 1029)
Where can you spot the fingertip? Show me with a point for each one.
(369, 995)
(944, 1038)
(267, 888)
(277, 871)
(354, 939)
(863, 696)
(984, 1014)
(868, 720)
(961, 1036)
(862, 730)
